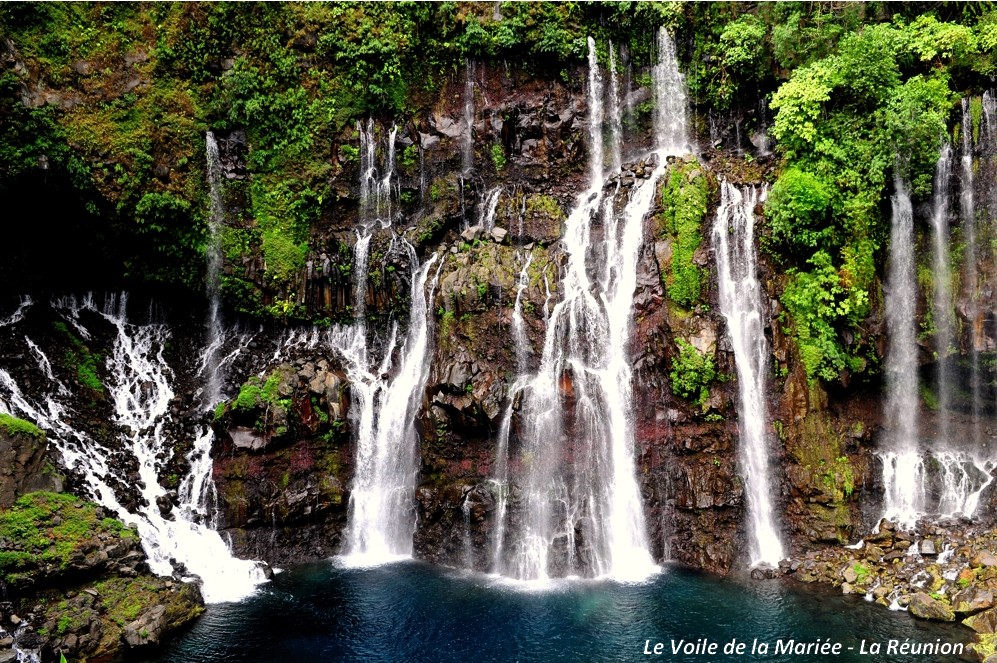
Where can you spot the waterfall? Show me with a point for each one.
(489, 208)
(671, 105)
(582, 512)
(216, 219)
(903, 465)
(967, 209)
(141, 392)
(18, 313)
(741, 305)
(942, 294)
(377, 192)
(467, 139)
(521, 343)
(361, 252)
(377, 195)
(381, 517)
(615, 123)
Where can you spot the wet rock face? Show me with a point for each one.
(282, 463)
(26, 465)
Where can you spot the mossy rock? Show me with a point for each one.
(56, 534)
(685, 194)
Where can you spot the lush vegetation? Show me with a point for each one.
(115, 99)
(872, 108)
(263, 403)
(684, 198)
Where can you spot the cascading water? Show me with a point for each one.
(615, 121)
(377, 192)
(902, 462)
(948, 475)
(381, 518)
(382, 500)
(18, 313)
(942, 294)
(582, 508)
(140, 391)
(967, 210)
(467, 138)
(489, 207)
(741, 305)
(215, 336)
(501, 479)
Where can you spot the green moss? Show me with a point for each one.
(14, 426)
(51, 528)
(546, 206)
(265, 399)
(447, 319)
(684, 196)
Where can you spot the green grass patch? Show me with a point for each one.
(14, 426)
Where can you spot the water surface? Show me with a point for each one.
(411, 612)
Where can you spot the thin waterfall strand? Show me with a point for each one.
(942, 294)
(741, 305)
(903, 466)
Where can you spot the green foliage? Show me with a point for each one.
(819, 302)
(803, 32)
(447, 320)
(265, 401)
(692, 373)
(170, 234)
(498, 156)
(861, 573)
(13, 426)
(915, 119)
(934, 42)
(684, 197)
(844, 122)
(797, 210)
(860, 85)
(250, 395)
(409, 158)
(742, 51)
(284, 258)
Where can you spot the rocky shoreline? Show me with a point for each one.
(944, 571)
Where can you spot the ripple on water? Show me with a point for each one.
(411, 612)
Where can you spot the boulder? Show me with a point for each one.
(247, 438)
(972, 600)
(983, 558)
(924, 606)
(147, 629)
(983, 622)
(472, 233)
(873, 553)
